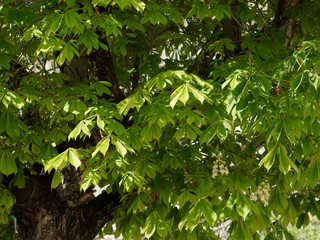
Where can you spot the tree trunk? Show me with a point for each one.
(63, 213)
(285, 23)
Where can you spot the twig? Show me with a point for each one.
(261, 14)
(38, 75)
(152, 40)
(13, 1)
(237, 21)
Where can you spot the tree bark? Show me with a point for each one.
(285, 23)
(232, 30)
(63, 213)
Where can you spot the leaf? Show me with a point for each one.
(190, 133)
(71, 18)
(296, 82)
(12, 127)
(120, 148)
(175, 96)
(276, 132)
(75, 132)
(150, 226)
(4, 61)
(268, 159)
(56, 162)
(8, 164)
(102, 146)
(74, 158)
(209, 134)
(242, 206)
(202, 11)
(193, 217)
(19, 179)
(208, 213)
(288, 130)
(221, 132)
(198, 95)
(162, 228)
(278, 201)
(56, 180)
(285, 162)
(125, 105)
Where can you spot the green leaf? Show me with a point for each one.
(194, 216)
(120, 148)
(202, 11)
(285, 162)
(288, 130)
(150, 226)
(208, 213)
(4, 61)
(269, 158)
(181, 94)
(296, 82)
(57, 162)
(56, 180)
(276, 132)
(242, 206)
(221, 132)
(125, 105)
(71, 18)
(75, 132)
(73, 157)
(12, 127)
(102, 146)
(278, 201)
(8, 164)
(198, 95)
(19, 179)
(190, 133)
(209, 134)
(162, 228)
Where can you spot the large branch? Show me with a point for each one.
(104, 70)
(43, 215)
(285, 23)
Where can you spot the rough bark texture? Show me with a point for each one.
(232, 30)
(103, 69)
(285, 23)
(62, 213)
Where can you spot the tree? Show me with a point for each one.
(186, 113)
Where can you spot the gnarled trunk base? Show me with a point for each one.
(43, 214)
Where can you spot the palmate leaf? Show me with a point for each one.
(182, 94)
(70, 155)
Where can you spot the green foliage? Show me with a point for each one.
(192, 98)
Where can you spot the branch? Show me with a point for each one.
(237, 21)
(105, 71)
(14, 1)
(152, 40)
(261, 14)
(38, 75)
